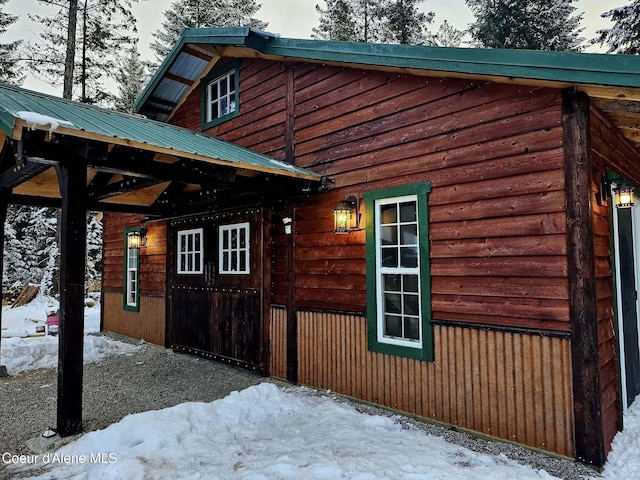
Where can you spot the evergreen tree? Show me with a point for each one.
(200, 14)
(447, 36)
(376, 21)
(131, 79)
(337, 22)
(105, 29)
(9, 66)
(526, 24)
(624, 36)
(405, 24)
(94, 252)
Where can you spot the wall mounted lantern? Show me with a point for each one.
(623, 193)
(137, 239)
(345, 215)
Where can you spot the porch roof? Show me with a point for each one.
(134, 164)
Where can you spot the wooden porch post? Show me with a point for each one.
(4, 204)
(292, 318)
(589, 435)
(72, 178)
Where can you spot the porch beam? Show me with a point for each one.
(5, 194)
(72, 178)
(589, 432)
(17, 174)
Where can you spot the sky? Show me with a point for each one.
(264, 432)
(289, 18)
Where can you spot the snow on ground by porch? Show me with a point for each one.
(22, 349)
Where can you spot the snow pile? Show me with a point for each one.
(624, 460)
(264, 433)
(34, 120)
(19, 354)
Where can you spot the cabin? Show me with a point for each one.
(449, 233)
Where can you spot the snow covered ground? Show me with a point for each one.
(21, 350)
(268, 433)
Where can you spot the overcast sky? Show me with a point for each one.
(290, 18)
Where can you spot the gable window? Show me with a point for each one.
(234, 248)
(398, 284)
(220, 95)
(131, 300)
(190, 251)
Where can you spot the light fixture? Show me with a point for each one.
(623, 193)
(137, 239)
(345, 215)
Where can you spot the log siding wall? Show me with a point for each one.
(149, 323)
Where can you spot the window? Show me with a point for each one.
(220, 95)
(190, 250)
(131, 300)
(398, 286)
(234, 249)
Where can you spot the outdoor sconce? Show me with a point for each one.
(137, 239)
(345, 214)
(623, 193)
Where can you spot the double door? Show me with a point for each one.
(215, 287)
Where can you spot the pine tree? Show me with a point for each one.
(94, 252)
(406, 25)
(131, 79)
(104, 30)
(200, 14)
(447, 36)
(9, 66)
(337, 22)
(624, 36)
(526, 24)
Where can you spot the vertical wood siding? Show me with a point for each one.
(508, 385)
(147, 325)
(278, 345)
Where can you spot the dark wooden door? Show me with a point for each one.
(629, 311)
(215, 307)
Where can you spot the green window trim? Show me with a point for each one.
(135, 267)
(231, 67)
(425, 350)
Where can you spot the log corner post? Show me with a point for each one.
(72, 178)
(588, 427)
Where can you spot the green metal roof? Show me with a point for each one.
(561, 67)
(18, 105)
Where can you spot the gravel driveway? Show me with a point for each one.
(154, 377)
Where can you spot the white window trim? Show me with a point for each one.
(380, 271)
(216, 97)
(132, 266)
(244, 251)
(183, 234)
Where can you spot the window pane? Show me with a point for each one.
(224, 106)
(197, 241)
(232, 105)
(223, 87)
(183, 262)
(409, 257)
(225, 239)
(225, 262)
(234, 238)
(410, 283)
(390, 257)
(214, 109)
(392, 303)
(243, 262)
(409, 234)
(232, 82)
(190, 243)
(183, 244)
(392, 283)
(243, 238)
(411, 305)
(234, 261)
(408, 212)
(392, 326)
(389, 235)
(388, 214)
(196, 262)
(411, 328)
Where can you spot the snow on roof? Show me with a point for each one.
(34, 119)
